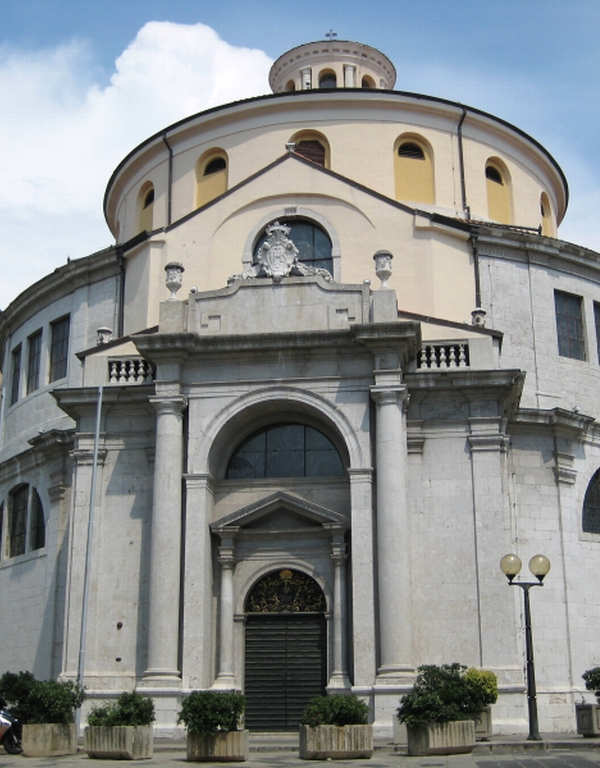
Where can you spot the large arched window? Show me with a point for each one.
(146, 207)
(22, 527)
(498, 191)
(591, 506)
(413, 169)
(312, 242)
(211, 176)
(327, 79)
(313, 146)
(285, 450)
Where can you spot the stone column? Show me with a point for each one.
(393, 571)
(339, 675)
(306, 78)
(226, 675)
(349, 76)
(165, 544)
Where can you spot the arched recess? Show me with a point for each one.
(145, 207)
(591, 506)
(211, 176)
(290, 86)
(547, 217)
(313, 146)
(499, 194)
(413, 169)
(367, 82)
(327, 79)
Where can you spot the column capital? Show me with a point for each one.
(385, 395)
(174, 404)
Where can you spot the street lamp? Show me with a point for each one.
(539, 565)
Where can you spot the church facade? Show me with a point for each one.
(336, 365)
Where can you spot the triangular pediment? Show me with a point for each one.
(281, 509)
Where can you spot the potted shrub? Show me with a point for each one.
(122, 729)
(489, 685)
(588, 715)
(440, 709)
(47, 710)
(212, 720)
(335, 727)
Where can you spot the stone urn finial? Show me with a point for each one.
(103, 335)
(174, 278)
(478, 317)
(383, 266)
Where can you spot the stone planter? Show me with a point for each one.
(588, 719)
(453, 738)
(124, 742)
(483, 725)
(323, 742)
(230, 747)
(49, 740)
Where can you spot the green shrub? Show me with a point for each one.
(129, 709)
(592, 680)
(339, 709)
(209, 712)
(487, 680)
(40, 701)
(444, 693)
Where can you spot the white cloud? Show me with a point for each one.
(62, 133)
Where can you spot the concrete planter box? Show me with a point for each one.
(483, 725)
(120, 742)
(49, 740)
(453, 738)
(230, 747)
(588, 719)
(323, 742)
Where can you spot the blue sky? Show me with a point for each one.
(75, 78)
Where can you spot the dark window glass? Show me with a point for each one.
(149, 198)
(312, 150)
(16, 374)
(59, 348)
(33, 361)
(410, 149)
(367, 82)
(313, 244)
(17, 520)
(37, 528)
(328, 80)
(214, 166)
(597, 323)
(591, 506)
(493, 174)
(286, 450)
(1, 529)
(569, 325)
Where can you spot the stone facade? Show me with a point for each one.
(458, 440)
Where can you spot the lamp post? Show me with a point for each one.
(539, 565)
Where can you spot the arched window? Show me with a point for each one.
(311, 240)
(327, 79)
(24, 530)
(285, 450)
(413, 168)
(591, 506)
(313, 146)
(498, 191)
(146, 207)
(546, 213)
(290, 85)
(367, 82)
(211, 176)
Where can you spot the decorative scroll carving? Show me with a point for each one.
(277, 257)
(286, 591)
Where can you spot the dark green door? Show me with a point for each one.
(285, 667)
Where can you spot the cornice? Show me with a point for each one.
(563, 423)
(77, 400)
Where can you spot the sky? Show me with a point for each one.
(83, 82)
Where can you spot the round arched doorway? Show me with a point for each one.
(285, 660)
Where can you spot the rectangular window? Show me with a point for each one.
(17, 521)
(597, 321)
(59, 348)
(569, 325)
(33, 361)
(16, 374)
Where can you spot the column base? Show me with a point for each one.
(225, 682)
(395, 674)
(160, 678)
(339, 681)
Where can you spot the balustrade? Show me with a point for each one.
(442, 356)
(130, 370)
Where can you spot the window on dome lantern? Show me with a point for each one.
(591, 506)
(290, 86)
(327, 79)
(569, 325)
(146, 208)
(413, 169)
(312, 242)
(367, 82)
(285, 450)
(498, 192)
(211, 176)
